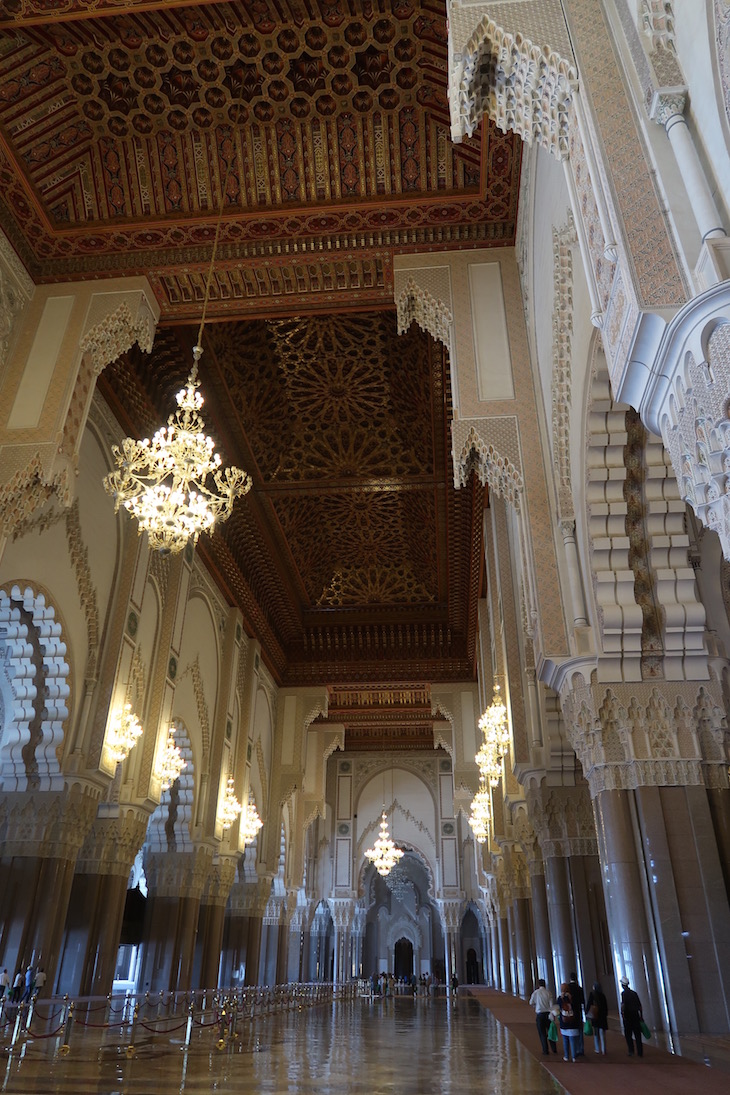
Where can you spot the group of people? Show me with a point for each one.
(25, 984)
(574, 1017)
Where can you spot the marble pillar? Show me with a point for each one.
(234, 951)
(522, 947)
(505, 957)
(634, 951)
(253, 949)
(169, 943)
(34, 897)
(91, 935)
(560, 917)
(209, 945)
(541, 925)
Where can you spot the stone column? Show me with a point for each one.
(209, 939)
(523, 950)
(668, 110)
(560, 917)
(541, 922)
(295, 947)
(505, 977)
(96, 906)
(624, 893)
(43, 835)
(342, 912)
(175, 886)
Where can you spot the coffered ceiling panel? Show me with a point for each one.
(321, 128)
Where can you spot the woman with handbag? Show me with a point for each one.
(570, 1023)
(597, 1014)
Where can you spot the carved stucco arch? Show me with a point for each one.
(518, 80)
(35, 690)
(114, 323)
(492, 468)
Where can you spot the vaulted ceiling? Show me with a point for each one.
(321, 129)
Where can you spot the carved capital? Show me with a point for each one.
(668, 103)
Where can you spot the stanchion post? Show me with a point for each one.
(189, 1028)
(67, 1026)
(18, 1026)
(133, 1031)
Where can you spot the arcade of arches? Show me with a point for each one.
(468, 334)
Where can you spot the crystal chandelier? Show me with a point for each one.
(493, 722)
(123, 734)
(250, 822)
(230, 807)
(384, 854)
(172, 762)
(481, 812)
(173, 484)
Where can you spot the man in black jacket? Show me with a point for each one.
(632, 1015)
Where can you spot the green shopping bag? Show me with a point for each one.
(552, 1032)
(644, 1029)
(588, 1027)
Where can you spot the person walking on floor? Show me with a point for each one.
(569, 1024)
(632, 1016)
(597, 1012)
(541, 1002)
(576, 991)
(17, 987)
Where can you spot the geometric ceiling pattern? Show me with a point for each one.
(353, 557)
(322, 128)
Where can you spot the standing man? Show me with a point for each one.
(40, 980)
(632, 1015)
(541, 1002)
(29, 979)
(579, 1002)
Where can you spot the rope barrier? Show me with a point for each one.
(170, 1030)
(225, 1011)
(39, 1037)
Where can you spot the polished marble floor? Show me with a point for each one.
(394, 1046)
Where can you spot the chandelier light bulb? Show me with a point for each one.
(172, 763)
(481, 812)
(230, 807)
(123, 734)
(384, 854)
(250, 823)
(173, 484)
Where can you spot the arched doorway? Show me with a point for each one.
(403, 960)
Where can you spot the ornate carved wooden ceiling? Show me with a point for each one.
(325, 122)
(353, 558)
(325, 125)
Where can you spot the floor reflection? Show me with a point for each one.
(394, 1046)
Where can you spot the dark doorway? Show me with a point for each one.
(472, 967)
(403, 965)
